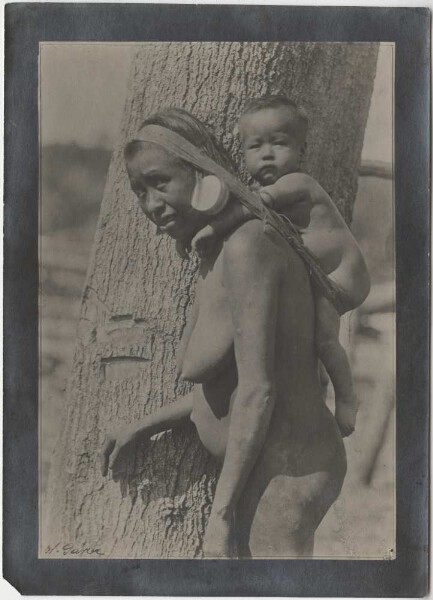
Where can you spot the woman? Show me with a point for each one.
(249, 348)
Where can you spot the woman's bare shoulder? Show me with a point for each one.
(255, 248)
(251, 238)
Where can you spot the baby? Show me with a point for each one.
(273, 131)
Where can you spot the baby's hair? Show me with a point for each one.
(255, 105)
(182, 122)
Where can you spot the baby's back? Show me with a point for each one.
(325, 233)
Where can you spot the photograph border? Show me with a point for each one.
(26, 26)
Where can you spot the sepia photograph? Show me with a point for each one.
(217, 301)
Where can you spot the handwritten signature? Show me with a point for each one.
(72, 550)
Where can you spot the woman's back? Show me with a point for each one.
(209, 357)
(301, 464)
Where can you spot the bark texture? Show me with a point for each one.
(138, 292)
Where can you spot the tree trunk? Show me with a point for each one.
(138, 292)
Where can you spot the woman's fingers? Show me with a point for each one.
(114, 444)
(109, 445)
(114, 455)
(182, 249)
(198, 242)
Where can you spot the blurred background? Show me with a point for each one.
(83, 91)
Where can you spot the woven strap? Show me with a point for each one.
(182, 148)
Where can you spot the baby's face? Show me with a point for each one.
(271, 148)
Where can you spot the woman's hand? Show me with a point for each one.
(204, 241)
(167, 417)
(183, 248)
(219, 539)
(114, 444)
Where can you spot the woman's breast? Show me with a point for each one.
(210, 346)
(211, 411)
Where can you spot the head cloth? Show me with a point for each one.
(182, 148)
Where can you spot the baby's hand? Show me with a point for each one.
(291, 195)
(345, 415)
(204, 241)
(267, 198)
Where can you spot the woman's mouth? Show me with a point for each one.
(166, 224)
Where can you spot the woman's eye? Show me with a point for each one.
(280, 142)
(140, 193)
(158, 183)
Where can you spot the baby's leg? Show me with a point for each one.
(335, 360)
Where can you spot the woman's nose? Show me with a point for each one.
(154, 203)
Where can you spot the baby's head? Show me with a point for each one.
(273, 131)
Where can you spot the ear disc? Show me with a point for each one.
(210, 195)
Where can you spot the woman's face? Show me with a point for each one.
(164, 187)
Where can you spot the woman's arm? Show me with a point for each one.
(167, 417)
(251, 278)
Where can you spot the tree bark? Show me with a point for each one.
(138, 292)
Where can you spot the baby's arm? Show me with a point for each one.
(289, 189)
(292, 196)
